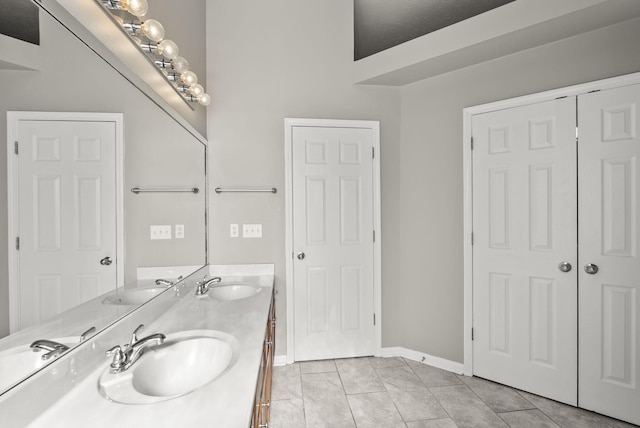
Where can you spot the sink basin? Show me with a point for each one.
(184, 363)
(134, 296)
(233, 291)
(18, 362)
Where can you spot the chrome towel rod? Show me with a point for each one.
(238, 190)
(137, 190)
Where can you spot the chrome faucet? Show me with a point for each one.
(125, 356)
(203, 287)
(54, 349)
(166, 282)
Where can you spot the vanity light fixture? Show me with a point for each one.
(149, 34)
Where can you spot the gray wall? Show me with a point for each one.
(268, 61)
(293, 59)
(157, 150)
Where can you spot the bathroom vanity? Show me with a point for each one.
(262, 403)
(205, 360)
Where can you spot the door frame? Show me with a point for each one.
(468, 113)
(13, 118)
(374, 126)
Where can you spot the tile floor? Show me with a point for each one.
(396, 392)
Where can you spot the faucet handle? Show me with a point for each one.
(134, 336)
(53, 354)
(86, 334)
(203, 287)
(119, 357)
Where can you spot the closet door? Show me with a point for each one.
(609, 238)
(524, 215)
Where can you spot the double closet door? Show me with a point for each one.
(556, 269)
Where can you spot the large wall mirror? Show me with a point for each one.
(161, 148)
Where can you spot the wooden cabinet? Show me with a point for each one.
(262, 403)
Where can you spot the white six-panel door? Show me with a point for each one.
(525, 223)
(66, 215)
(333, 268)
(524, 214)
(609, 236)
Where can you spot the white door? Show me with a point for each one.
(332, 176)
(524, 215)
(64, 215)
(609, 237)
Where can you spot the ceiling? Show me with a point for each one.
(19, 19)
(511, 28)
(382, 24)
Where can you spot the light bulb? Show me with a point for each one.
(180, 65)
(168, 49)
(153, 30)
(189, 78)
(196, 90)
(135, 7)
(204, 99)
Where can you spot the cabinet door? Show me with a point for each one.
(262, 402)
(524, 214)
(609, 235)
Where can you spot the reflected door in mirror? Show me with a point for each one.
(66, 216)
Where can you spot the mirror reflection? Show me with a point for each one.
(65, 106)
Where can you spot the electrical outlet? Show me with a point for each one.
(252, 231)
(179, 231)
(160, 231)
(234, 232)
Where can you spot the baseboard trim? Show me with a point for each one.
(399, 351)
(279, 360)
(441, 363)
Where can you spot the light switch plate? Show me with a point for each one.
(179, 231)
(233, 230)
(252, 230)
(160, 231)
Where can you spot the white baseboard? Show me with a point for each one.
(279, 360)
(398, 351)
(441, 363)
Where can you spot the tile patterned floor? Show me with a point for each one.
(396, 392)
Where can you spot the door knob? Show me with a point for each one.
(106, 261)
(591, 269)
(300, 255)
(564, 267)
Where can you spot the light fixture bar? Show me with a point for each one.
(149, 36)
(152, 48)
(133, 28)
(113, 4)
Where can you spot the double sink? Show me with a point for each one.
(182, 363)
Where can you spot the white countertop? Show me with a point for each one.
(72, 322)
(225, 402)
